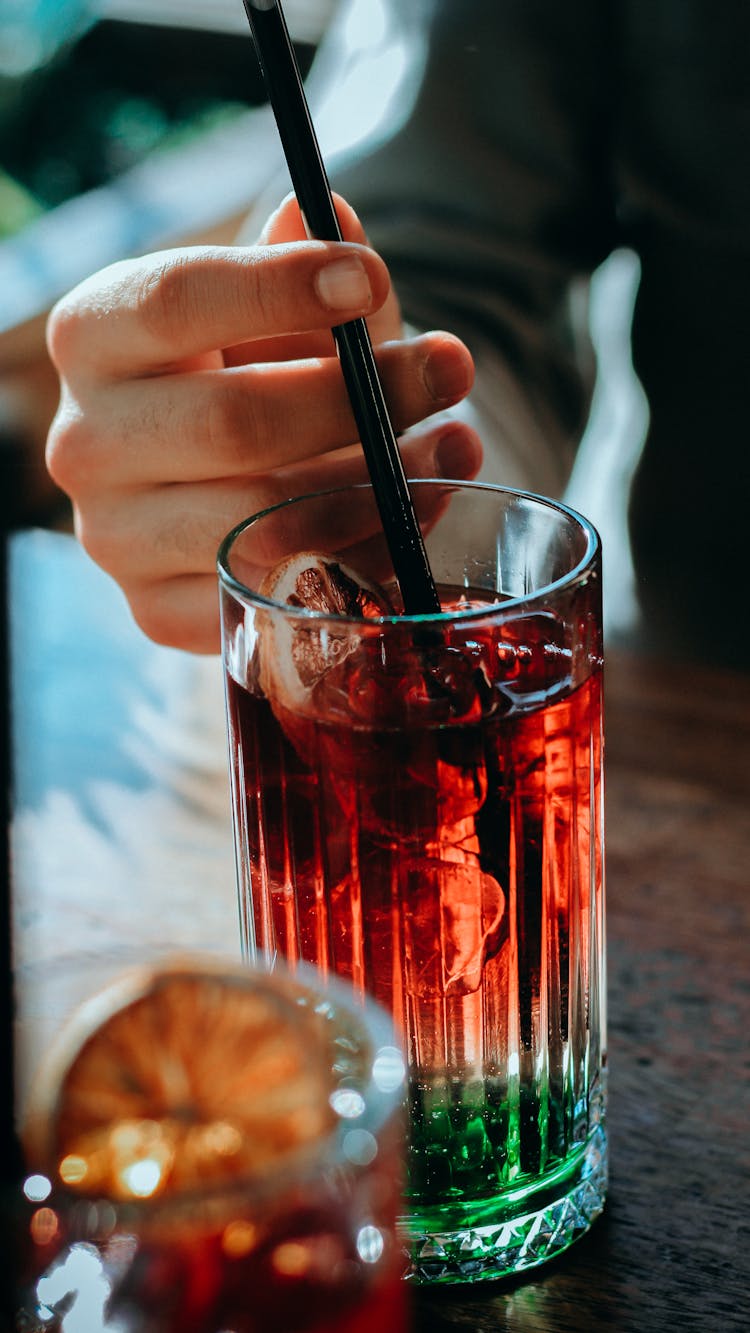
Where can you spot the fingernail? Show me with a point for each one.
(457, 454)
(344, 285)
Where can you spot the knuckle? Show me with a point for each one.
(228, 422)
(62, 331)
(162, 617)
(265, 293)
(101, 540)
(148, 613)
(161, 299)
(241, 425)
(71, 451)
(55, 452)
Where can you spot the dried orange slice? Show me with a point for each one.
(177, 1077)
(296, 656)
(323, 583)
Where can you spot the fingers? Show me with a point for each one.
(179, 304)
(354, 530)
(286, 223)
(182, 612)
(161, 545)
(234, 422)
(159, 533)
(201, 385)
(447, 449)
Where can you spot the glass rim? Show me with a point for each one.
(575, 575)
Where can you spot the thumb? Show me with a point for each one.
(286, 224)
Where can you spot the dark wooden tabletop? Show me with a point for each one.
(122, 846)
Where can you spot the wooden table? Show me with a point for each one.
(122, 846)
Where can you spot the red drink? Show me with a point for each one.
(305, 1274)
(424, 818)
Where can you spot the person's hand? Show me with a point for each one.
(200, 385)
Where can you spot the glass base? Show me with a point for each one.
(514, 1231)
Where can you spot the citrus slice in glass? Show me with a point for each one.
(297, 653)
(305, 660)
(177, 1077)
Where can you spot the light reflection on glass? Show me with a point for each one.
(37, 1188)
(238, 1238)
(388, 1069)
(44, 1226)
(80, 1276)
(348, 1103)
(360, 1147)
(370, 1244)
(142, 1178)
(73, 1169)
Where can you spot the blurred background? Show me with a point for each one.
(131, 125)
(125, 126)
(89, 89)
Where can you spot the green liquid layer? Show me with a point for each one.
(516, 1229)
(492, 1191)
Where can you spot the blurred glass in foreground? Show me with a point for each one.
(214, 1148)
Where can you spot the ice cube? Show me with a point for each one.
(453, 921)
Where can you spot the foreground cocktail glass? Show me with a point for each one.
(418, 807)
(224, 1152)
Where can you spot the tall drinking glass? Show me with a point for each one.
(417, 806)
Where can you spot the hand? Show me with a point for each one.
(200, 385)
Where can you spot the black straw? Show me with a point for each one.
(289, 105)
